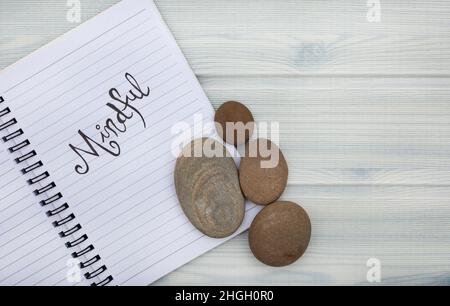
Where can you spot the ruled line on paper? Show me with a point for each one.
(27, 231)
(106, 202)
(157, 239)
(29, 264)
(3, 162)
(5, 173)
(132, 125)
(13, 192)
(82, 46)
(27, 254)
(10, 229)
(166, 187)
(80, 108)
(84, 57)
(117, 239)
(90, 77)
(137, 227)
(120, 179)
(36, 98)
(134, 148)
(58, 282)
(131, 150)
(179, 249)
(87, 126)
(21, 246)
(146, 176)
(71, 126)
(30, 267)
(64, 280)
(8, 183)
(17, 213)
(15, 202)
(146, 152)
(51, 275)
(142, 247)
(165, 257)
(40, 270)
(183, 235)
(138, 146)
(132, 195)
(104, 165)
(97, 205)
(134, 206)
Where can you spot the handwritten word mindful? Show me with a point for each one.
(113, 127)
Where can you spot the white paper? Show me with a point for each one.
(30, 252)
(126, 203)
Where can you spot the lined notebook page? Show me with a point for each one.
(126, 203)
(30, 251)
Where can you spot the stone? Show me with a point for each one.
(263, 172)
(280, 234)
(234, 123)
(207, 186)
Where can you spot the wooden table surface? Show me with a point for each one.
(364, 112)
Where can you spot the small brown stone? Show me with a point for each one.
(263, 172)
(234, 123)
(207, 186)
(280, 234)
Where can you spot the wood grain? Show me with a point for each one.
(269, 37)
(364, 122)
(404, 227)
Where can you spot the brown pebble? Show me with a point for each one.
(280, 234)
(240, 122)
(263, 172)
(207, 187)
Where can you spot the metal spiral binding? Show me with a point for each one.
(33, 165)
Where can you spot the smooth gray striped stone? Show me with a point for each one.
(208, 188)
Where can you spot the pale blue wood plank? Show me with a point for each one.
(364, 113)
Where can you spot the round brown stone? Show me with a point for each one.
(263, 172)
(207, 186)
(280, 234)
(234, 122)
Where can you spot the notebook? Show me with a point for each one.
(88, 154)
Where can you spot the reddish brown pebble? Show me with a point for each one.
(234, 123)
(280, 234)
(263, 172)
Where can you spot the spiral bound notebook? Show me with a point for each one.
(86, 163)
